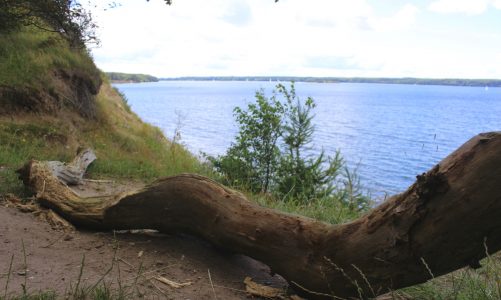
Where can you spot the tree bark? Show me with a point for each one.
(449, 218)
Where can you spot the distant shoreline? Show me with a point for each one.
(407, 80)
(117, 77)
(128, 81)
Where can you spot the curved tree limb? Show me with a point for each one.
(444, 221)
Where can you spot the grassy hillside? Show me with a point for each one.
(41, 73)
(28, 56)
(48, 116)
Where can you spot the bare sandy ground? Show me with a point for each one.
(54, 259)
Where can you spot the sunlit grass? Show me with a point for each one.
(28, 56)
(327, 209)
(125, 146)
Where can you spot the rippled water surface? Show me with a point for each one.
(390, 133)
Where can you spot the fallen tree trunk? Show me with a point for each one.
(447, 219)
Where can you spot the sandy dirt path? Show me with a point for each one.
(54, 258)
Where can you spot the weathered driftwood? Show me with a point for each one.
(73, 172)
(448, 219)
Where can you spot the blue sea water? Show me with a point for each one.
(390, 133)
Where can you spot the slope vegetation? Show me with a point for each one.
(53, 100)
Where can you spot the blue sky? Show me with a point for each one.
(384, 38)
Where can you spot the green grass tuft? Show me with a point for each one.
(28, 56)
(480, 284)
(327, 209)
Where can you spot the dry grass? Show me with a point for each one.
(126, 147)
(465, 284)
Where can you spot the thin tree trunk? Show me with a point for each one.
(449, 218)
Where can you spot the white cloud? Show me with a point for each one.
(496, 4)
(292, 37)
(238, 14)
(403, 19)
(332, 13)
(179, 40)
(470, 7)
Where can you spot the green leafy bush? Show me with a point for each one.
(271, 154)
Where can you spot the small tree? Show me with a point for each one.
(301, 175)
(272, 151)
(254, 157)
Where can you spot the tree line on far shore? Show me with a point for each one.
(125, 77)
